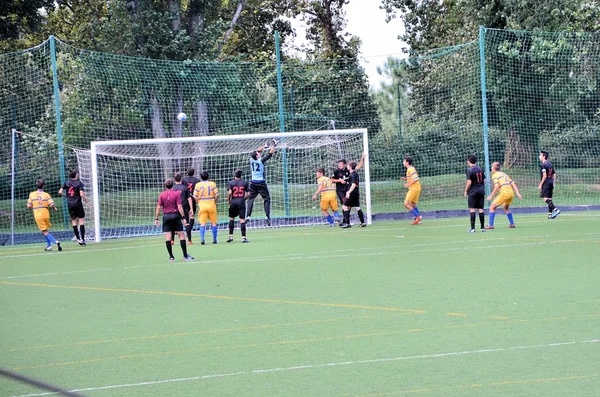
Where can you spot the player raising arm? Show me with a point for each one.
(258, 185)
(170, 202)
(505, 186)
(75, 196)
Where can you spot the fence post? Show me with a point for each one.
(59, 134)
(286, 199)
(486, 151)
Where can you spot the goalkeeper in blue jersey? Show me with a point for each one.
(258, 184)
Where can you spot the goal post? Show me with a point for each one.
(126, 176)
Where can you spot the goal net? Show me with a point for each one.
(127, 176)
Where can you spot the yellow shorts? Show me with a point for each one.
(503, 198)
(412, 196)
(329, 202)
(43, 223)
(208, 213)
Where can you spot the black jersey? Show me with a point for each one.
(477, 177)
(185, 194)
(238, 189)
(190, 182)
(341, 174)
(549, 171)
(73, 188)
(354, 179)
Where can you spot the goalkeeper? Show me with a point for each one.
(258, 185)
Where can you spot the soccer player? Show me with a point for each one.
(40, 201)
(186, 204)
(236, 197)
(340, 177)
(258, 185)
(190, 181)
(506, 186)
(75, 196)
(414, 189)
(170, 202)
(206, 194)
(352, 199)
(328, 196)
(546, 186)
(475, 191)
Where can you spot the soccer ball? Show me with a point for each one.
(182, 116)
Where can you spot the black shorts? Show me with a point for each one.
(172, 223)
(547, 189)
(237, 210)
(341, 195)
(77, 211)
(476, 200)
(352, 201)
(258, 188)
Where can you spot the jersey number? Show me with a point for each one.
(238, 191)
(191, 187)
(255, 166)
(479, 177)
(202, 191)
(71, 191)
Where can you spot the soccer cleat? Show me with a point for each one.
(58, 245)
(202, 242)
(48, 248)
(363, 225)
(74, 238)
(245, 240)
(171, 259)
(82, 242)
(215, 242)
(550, 216)
(511, 226)
(188, 258)
(268, 221)
(483, 230)
(230, 239)
(345, 225)
(555, 213)
(489, 227)
(472, 231)
(417, 220)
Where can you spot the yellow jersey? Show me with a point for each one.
(503, 181)
(411, 175)
(205, 193)
(40, 202)
(327, 187)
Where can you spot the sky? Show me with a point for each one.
(379, 39)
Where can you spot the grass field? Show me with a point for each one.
(388, 310)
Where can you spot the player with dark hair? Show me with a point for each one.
(352, 199)
(258, 184)
(475, 191)
(75, 196)
(190, 181)
(170, 202)
(414, 189)
(328, 197)
(206, 194)
(237, 193)
(186, 203)
(547, 182)
(340, 177)
(40, 201)
(506, 186)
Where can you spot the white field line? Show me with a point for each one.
(326, 254)
(325, 365)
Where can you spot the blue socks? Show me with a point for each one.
(336, 215)
(415, 212)
(329, 219)
(214, 232)
(50, 239)
(492, 216)
(202, 232)
(510, 218)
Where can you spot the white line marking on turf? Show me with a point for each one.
(325, 365)
(79, 251)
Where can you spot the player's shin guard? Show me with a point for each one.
(346, 217)
(76, 232)
(214, 232)
(511, 221)
(82, 231)
(361, 216)
(415, 212)
(551, 206)
(473, 220)
(51, 238)
(492, 216)
(481, 220)
(329, 219)
(243, 227)
(417, 209)
(231, 224)
(169, 249)
(183, 248)
(202, 232)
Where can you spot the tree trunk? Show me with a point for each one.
(200, 127)
(158, 131)
(516, 152)
(175, 10)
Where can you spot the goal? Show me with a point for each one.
(126, 176)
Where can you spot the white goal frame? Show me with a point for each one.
(263, 136)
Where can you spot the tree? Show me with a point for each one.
(19, 20)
